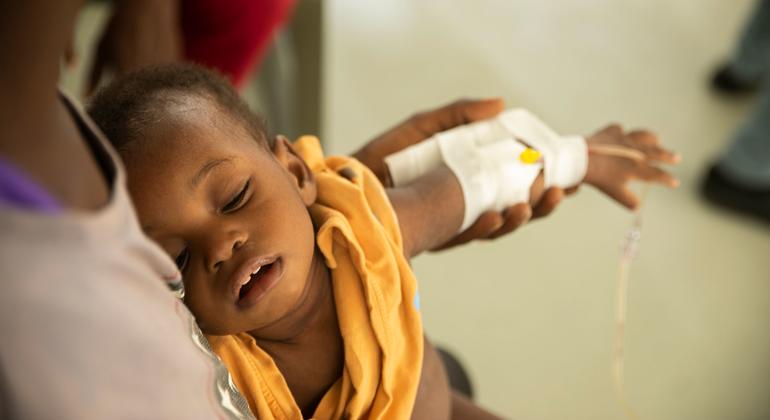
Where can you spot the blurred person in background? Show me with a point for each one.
(740, 179)
(229, 36)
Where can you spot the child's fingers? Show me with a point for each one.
(625, 197)
(649, 143)
(659, 154)
(644, 137)
(654, 174)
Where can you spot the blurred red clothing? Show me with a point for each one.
(232, 36)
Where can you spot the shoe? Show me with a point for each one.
(727, 81)
(720, 190)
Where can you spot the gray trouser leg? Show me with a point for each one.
(747, 160)
(752, 55)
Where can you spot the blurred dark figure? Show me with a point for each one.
(230, 36)
(740, 179)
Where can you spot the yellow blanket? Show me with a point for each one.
(376, 296)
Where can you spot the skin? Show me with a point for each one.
(140, 33)
(423, 125)
(254, 202)
(39, 136)
(295, 322)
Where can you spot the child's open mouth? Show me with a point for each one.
(256, 280)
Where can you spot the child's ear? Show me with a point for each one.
(288, 158)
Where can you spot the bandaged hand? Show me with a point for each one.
(503, 161)
(616, 157)
(422, 126)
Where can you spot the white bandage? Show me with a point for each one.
(486, 160)
(566, 158)
(512, 176)
(491, 176)
(413, 162)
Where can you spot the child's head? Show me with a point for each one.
(213, 192)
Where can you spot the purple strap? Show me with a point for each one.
(18, 190)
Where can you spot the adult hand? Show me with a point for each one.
(421, 126)
(140, 33)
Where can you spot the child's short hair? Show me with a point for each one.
(126, 106)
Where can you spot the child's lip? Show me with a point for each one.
(243, 272)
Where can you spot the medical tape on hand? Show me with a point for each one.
(492, 177)
(485, 158)
(413, 162)
(514, 177)
(565, 157)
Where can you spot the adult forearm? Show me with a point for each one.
(39, 136)
(33, 36)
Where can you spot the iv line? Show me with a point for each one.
(628, 250)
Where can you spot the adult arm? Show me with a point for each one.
(39, 136)
(431, 209)
(423, 125)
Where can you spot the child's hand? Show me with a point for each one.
(420, 127)
(610, 171)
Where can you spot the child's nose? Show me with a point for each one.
(223, 247)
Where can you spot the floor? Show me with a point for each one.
(532, 315)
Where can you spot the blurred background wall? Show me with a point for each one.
(532, 315)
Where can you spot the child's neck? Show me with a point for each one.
(306, 345)
(313, 313)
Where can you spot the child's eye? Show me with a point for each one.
(236, 202)
(182, 258)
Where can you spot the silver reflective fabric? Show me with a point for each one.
(233, 403)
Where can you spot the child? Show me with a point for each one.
(294, 265)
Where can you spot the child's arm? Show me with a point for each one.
(431, 208)
(423, 125)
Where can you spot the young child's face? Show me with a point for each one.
(223, 206)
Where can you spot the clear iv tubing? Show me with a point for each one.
(628, 248)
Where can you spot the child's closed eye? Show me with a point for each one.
(237, 202)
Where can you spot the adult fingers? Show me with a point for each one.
(548, 203)
(514, 217)
(457, 113)
(485, 225)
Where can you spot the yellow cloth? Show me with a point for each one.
(375, 292)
